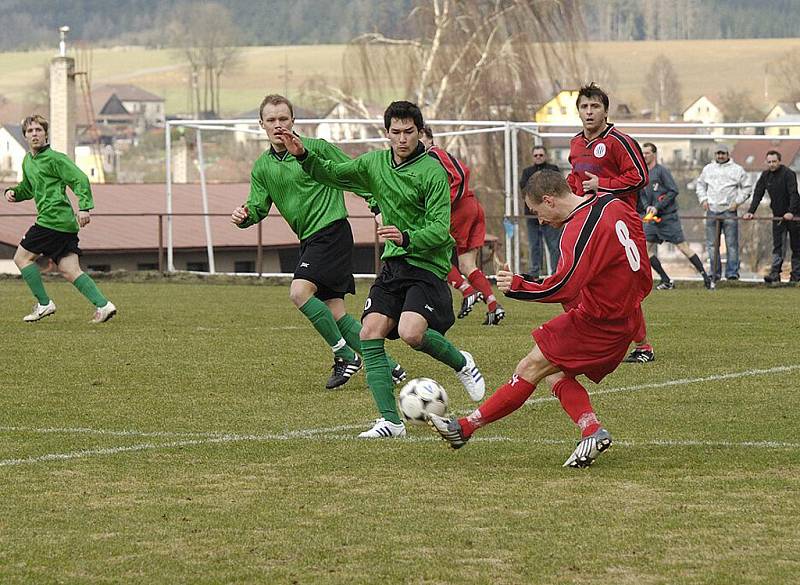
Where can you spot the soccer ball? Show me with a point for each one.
(422, 396)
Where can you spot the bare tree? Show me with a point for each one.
(472, 59)
(206, 37)
(788, 72)
(662, 88)
(737, 106)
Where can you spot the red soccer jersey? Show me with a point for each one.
(457, 174)
(604, 269)
(615, 158)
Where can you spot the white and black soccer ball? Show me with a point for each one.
(422, 396)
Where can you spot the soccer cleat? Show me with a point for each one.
(640, 356)
(398, 374)
(589, 449)
(494, 317)
(104, 313)
(472, 379)
(666, 285)
(708, 282)
(448, 429)
(343, 370)
(384, 429)
(468, 302)
(40, 312)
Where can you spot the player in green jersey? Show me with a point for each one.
(410, 298)
(317, 214)
(45, 176)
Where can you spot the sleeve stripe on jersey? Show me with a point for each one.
(460, 170)
(637, 159)
(587, 230)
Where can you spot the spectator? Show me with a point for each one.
(721, 188)
(537, 231)
(781, 183)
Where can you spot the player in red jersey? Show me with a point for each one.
(603, 276)
(468, 228)
(606, 160)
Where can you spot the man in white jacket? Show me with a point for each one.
(721, 188)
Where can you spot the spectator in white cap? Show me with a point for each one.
(721, 188)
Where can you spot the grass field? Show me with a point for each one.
(189, 440)
(703, 67)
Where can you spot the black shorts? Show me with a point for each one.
(402, 287)
(326, 259)
(51, 243)
(667, 230)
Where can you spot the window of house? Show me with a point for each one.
(563, 110)
(98, 267)
(550, 110)
(147, 266)
(197, 266)
(783, 132)
(244, 266)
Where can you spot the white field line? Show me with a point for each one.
(681, 381)
(327, 433)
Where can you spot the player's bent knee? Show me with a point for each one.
(535, 366)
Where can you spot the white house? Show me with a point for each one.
(12, 151)
(783, 112)
(703, 110)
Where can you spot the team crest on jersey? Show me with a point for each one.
(600, 150)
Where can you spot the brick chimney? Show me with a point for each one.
(62, 100)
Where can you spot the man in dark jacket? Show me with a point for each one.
(537, 231)
(658, 204)
(781, 183)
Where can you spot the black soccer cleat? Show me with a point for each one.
(589, 449)
(398, 374)
(343, 370)
(640, 356)
(494, 317)
(468, 302)
(665, 285)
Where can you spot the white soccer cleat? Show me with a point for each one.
(589, 449)
(472, 379)
(40, 312)
(104, 313)
(384, 429)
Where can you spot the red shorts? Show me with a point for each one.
(467, 224)
(577, 344)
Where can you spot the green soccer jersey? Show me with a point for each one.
(45, 177)
(413, 196)
(305, 204)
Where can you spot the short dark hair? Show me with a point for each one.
(651, 146)
(427, 131)
(769, 152)
(403, 110)
(592, 91)
(39, 119)
(274, 99)
(539, 147)
(546, 182)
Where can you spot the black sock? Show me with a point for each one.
(656, 264)
(695, 260)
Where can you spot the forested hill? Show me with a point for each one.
(33, 23)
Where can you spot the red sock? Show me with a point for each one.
(456, 280)
(575, 401)
(505, 400)
(644, 347)
(478, 280)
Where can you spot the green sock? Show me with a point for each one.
(379, 378)
(322, 319)
(33, 278)
(438, 347)
(88, 288)
(350, 330)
